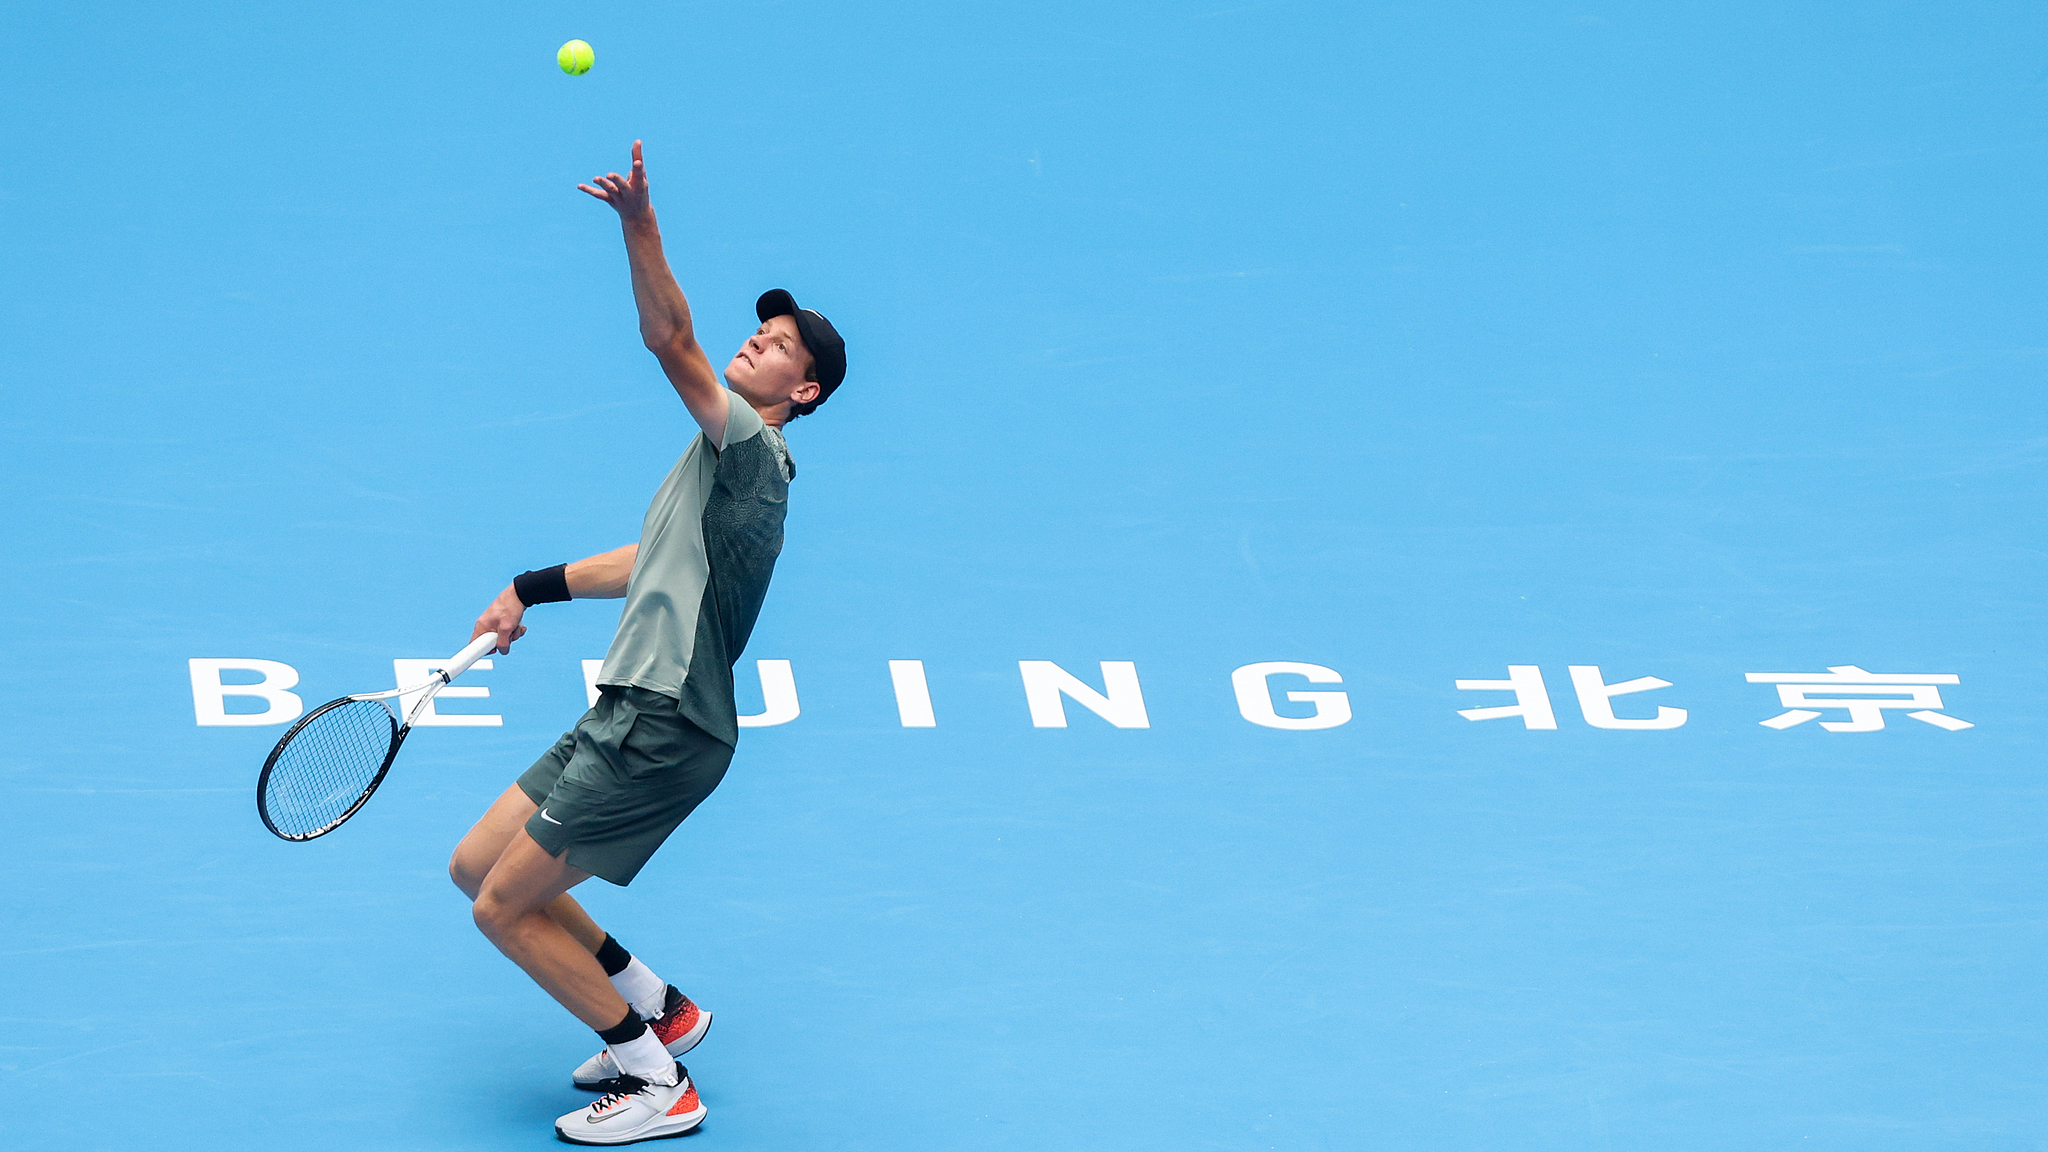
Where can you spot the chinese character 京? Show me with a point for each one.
(1864, 694)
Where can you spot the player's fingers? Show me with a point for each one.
(636, 153)
(600, 196)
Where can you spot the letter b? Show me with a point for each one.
(209, 695)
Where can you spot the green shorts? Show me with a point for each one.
(613, 788)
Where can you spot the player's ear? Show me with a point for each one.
(805, 392)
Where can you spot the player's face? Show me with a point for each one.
(769, 368)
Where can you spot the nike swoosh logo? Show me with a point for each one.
(550, 819)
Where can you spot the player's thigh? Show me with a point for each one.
(524, 879)
(486, 841)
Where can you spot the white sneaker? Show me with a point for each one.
(638, 1111)
(679, 1027)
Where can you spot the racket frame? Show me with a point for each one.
(442, 677)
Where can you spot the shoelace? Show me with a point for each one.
(624, 1092)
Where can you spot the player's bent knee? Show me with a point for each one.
(494, 912)
(492, 916)
(469, 865)
(464, 876)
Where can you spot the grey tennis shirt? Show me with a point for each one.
(707, 549)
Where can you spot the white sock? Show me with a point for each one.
(643, 1056)
(646, 992)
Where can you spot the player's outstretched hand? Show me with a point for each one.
(502, 617)
(628, 193)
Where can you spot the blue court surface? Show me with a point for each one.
(1695, 350)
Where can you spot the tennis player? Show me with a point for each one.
(610, 791)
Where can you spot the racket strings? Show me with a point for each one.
(327, 766)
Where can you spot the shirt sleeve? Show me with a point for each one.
(741, 421)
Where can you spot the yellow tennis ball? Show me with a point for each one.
(575, 57)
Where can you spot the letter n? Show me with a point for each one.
(1121, 702)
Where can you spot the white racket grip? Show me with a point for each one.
(461, 661)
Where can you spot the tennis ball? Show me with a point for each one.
(575, 57)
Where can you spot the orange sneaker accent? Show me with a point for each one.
(687, 1102)
(684, 1018)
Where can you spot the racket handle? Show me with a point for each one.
(460, 662)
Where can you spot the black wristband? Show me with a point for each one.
(546, 586)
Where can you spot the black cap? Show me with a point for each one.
(822, 340)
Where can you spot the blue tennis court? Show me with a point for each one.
(1450, 576)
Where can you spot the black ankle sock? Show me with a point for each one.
(612, 956)
(628, 1029)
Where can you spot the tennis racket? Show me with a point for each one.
(327, 766)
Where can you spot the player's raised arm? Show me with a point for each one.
(664, 313)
